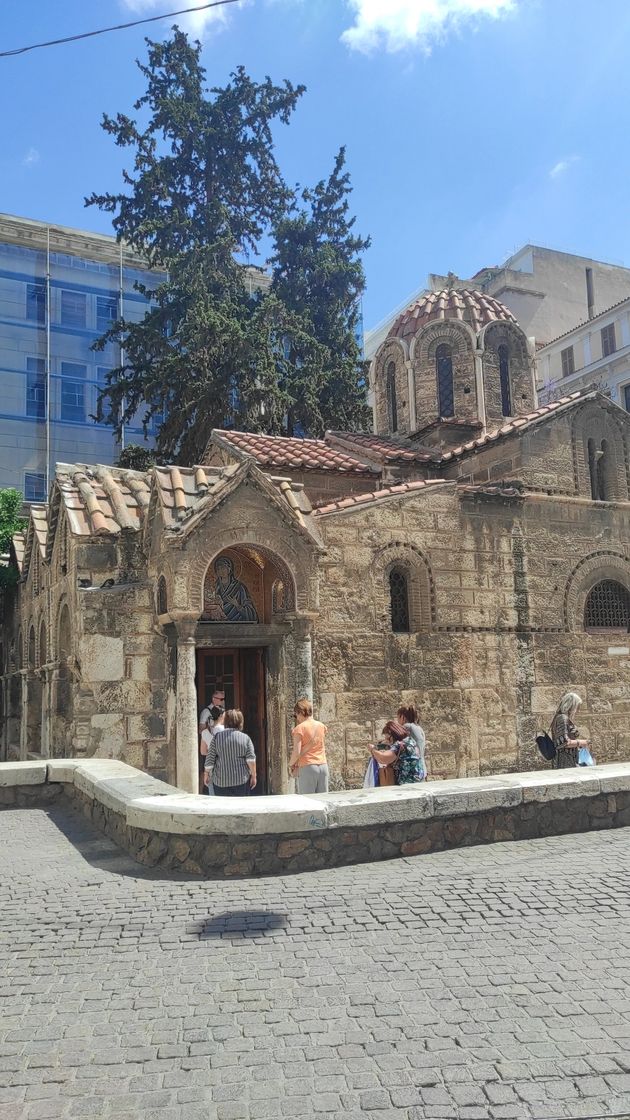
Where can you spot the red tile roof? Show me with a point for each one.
(465, 304)
(511, 488)
(512, 426)
(385, 449)
(358, 501)
(285, 453)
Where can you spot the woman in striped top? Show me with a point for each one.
(231, 758)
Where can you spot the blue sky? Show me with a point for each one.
(472, 126)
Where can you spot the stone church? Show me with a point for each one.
(471, 555)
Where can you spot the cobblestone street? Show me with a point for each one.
(483, 984)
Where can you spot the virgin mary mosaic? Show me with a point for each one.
(228, 600)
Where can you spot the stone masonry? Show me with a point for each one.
(505, 526)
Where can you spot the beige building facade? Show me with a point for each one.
(594, 354)
(459, 557)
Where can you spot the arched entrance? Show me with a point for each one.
(246, 621)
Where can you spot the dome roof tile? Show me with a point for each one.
(463, 304)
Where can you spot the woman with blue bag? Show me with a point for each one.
(570, 749)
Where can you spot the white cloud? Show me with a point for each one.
(397, 24)
(197, 24)
(562, 165)
(31, 158)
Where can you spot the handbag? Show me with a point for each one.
(546, 746)
(387, 775)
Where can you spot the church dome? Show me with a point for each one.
(465, 304)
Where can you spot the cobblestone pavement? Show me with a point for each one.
(484, 984)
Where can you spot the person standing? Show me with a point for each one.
(400, 753)
(231, 759)
(408, 718)
(565, 734)
(308, 757)
(209, 718)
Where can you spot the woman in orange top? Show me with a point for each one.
(308, 758)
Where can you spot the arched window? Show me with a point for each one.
(31, 648)
(592, 469)
(607, 607)
(444, 373)
(602, 472)
(598, 464)
(42, 643)
(162, 599)
(399, 600)
(504, 376)
(392, 408)
(64, 635)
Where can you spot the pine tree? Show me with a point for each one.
(318, 276)
(204, 189)
(204, 192)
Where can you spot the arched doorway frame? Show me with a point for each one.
(285, 639)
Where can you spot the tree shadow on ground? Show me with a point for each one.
(237, 925)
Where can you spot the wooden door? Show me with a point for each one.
(241, 673)
(253, 707)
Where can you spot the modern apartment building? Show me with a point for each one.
(59, 290)
(595, 353)
(547, 291)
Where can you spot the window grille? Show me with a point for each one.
(609, 343)
(504, 375)
(607, 607)
(444, 371)
(392, 407)
(399, 601)
(568, 361)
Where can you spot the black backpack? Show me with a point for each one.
(546, 746)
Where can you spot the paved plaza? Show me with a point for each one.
(484, 984)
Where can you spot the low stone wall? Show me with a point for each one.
(221, 838)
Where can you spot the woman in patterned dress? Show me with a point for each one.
(565, 734)
(400, 751)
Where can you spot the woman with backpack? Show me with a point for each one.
(564, 733)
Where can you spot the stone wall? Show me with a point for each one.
(392, 353)
(521, 381)
(270, 836)
(461, 342)
(84, 668)
(122, 659)
(505, 595)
